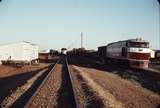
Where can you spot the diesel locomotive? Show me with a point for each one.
(132, 52)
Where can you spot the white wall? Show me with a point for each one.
(19, 51)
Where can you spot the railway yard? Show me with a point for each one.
(80, 54)
(79, 82)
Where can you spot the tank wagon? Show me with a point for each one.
(133, 53)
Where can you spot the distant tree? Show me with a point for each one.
(159, 1)
(63, 49)
(53, 52)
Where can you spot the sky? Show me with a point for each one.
(59, 23)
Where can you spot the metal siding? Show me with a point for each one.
(12, 50)
(19, 51)
(30, 52)
(115, 49)
(114, 52)
(139, 56)
(139, 50)
(102, 51)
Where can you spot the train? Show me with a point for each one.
(134, 53)
(92, 54)
(155, 57)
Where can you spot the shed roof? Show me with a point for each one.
(18, 43)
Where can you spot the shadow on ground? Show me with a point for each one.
(65, 93)
(11, 83)
(27, 95)
(147, 79)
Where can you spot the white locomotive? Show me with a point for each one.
(133, 53)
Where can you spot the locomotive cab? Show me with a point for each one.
(138, 53)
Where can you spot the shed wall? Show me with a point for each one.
(19, 52)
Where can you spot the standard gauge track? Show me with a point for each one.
(56, 90)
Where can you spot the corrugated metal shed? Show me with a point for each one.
(20, 51)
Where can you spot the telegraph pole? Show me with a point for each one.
(81, 39)
(159, 21)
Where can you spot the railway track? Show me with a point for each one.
(62, 86)
(56, 90)
(73, 86)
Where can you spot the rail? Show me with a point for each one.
(73, 86)
(41, 85)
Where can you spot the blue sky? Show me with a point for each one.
(58, 23)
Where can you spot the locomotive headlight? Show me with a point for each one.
(140, 49)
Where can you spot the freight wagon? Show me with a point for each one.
(102, 53)
(133, 53)
(45, 56)
(155, 58)
(19, 53)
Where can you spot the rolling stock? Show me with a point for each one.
(155, 57)
(133, 53)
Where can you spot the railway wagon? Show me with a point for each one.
(133, 53)
(157, 55)
(102, 53)
(155, 58)
(19, 53)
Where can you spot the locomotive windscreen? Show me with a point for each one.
(139, 44)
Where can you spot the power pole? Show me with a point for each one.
(81, 39)
(159, 21)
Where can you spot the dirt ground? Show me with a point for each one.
(130, 95)
(134, 88)
(155, 66)
(6, 71)
(57, 92)
(86, 96)
(12, 77)
(51, 94)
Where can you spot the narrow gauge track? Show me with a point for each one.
(56, 90)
